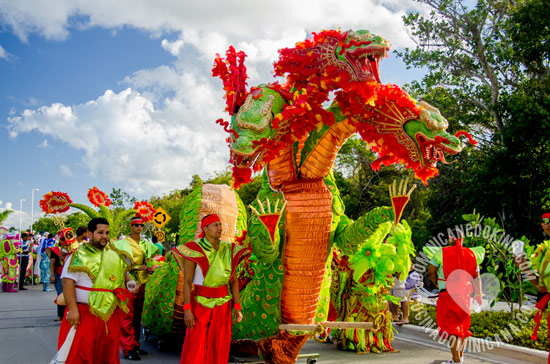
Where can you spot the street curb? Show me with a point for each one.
(500, 349)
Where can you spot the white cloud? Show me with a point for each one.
(127, 140)
(3, 53)
(65, 171)
(247, 19)
(159, 131)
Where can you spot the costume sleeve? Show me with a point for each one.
(479, 252)
(193, 252)
(149, 250)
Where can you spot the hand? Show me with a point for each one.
(142, 267)
(150, 270)
(520, 259)
(189, 319)
(73, 317)
(237, 316)
(52, 279)
(135, 290)
(478, 299)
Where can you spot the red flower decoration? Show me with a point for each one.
(98, 197)
(145, 210)
(55, 202)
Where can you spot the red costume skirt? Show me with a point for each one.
(451, 318)
(209, 341)
(95, 342)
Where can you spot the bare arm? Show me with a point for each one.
(432, 271)
(237, 314)
(73, 316)
(188, 275)
(52, 270)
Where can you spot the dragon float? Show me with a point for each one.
(298, 220)
(287, 130)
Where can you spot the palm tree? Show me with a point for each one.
(4, 215)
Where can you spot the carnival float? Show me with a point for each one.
(291, 286)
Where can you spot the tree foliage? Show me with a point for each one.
(488, 72)
(4, 215)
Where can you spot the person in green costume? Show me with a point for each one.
(94, 277)
(143, 253)
(540, 261)
(210, 284)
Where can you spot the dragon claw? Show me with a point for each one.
(268, 209)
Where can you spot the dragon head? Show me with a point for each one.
(430, 136)
(404, 131)
(332, 59)
(360, 53)
(253, 124)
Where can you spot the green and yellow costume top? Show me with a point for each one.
(541, 262)
(107, 270)
(217, 266)
(143, 253)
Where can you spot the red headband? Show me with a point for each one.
(546, 215)
(136, 221)
(207, 221)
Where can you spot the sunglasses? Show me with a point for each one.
(546, 221)
(138, 225)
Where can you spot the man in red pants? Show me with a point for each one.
(209, 266)
(453, 270)
(93, 281)
(143, 253)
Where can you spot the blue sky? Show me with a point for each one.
(119, 95)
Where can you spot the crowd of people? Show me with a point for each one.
(101, 284)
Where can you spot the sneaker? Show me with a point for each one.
(132, 356)
(140, 351)
(48, 290)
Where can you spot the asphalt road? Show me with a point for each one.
(28, 334)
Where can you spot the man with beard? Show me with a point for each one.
(93, 287)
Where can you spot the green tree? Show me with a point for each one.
(45, 224)
(488, 73)
(4, 215)
(77, 219)
(121, 200)
(466, 49)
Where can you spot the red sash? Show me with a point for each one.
(119, 292)
(211, 292)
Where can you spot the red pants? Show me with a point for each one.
(95, 342)
(209, 341)
(131, 322)
(451, 317)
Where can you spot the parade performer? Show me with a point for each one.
(540, 260)
(454, 269)
(208, 264)
(24, 259)
(163, 313)
(143, 253)
(57, 255)
(93, 288)
(42, 266)
(10, 264)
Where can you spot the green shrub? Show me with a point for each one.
(494, 324)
